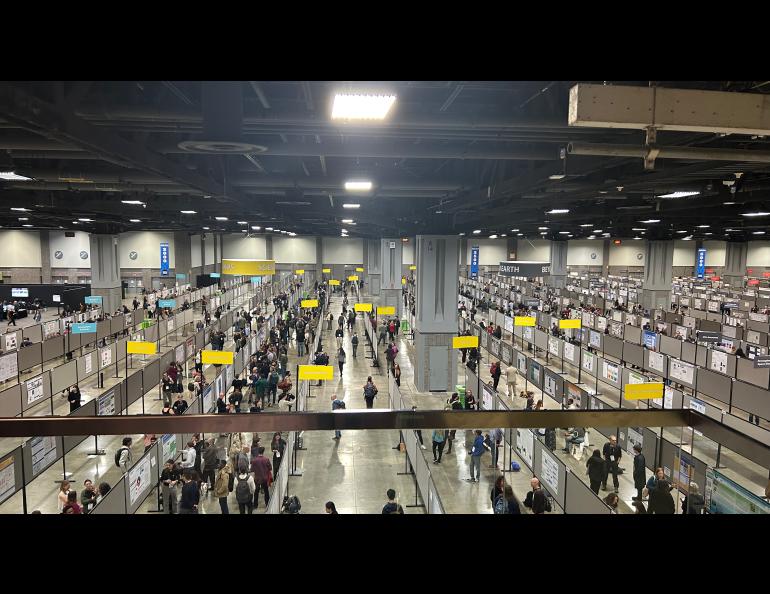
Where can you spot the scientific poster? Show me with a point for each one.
(106, 404)
(569, 351)
(179, 353)
(610, 372)
(595, 339)
(139, 479)
(634, 437)
(684, 372)
(521, 363)
(718, 361)
(616, 330)
(43, 451)
(190, 347)
(657, 362)
(601, 324)
(7, 478)
(11, 342)
(106, 356)
(35, 389)
(169, 325)
(208, 399)
(549, 471)
(219, 384)
(487, 397)
(550, 385)
(588, 362)
(525, 445)
(168, 443)
(9, 366)
(50, 329)
(553, 346)
(88, 361)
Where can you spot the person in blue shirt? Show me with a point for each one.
(476, 452)
(337, 404)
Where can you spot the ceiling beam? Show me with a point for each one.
(178, 93)
(260, 94)
(453, 95)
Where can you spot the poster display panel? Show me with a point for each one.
(610, 372)
(168, 445)
(718, 361)
(525, 445)
(139, 479)
(724, 496)
(569, 351)
(657, 362)
(7, 478)
(9, 366)
(588, 362)
(43, 450)
(106, 404)
(549, 471)
(684, 372)
(35, 389)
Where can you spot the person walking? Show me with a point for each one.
(511, 376)
(341, 358)
(612, 454)
(244, 490)
(262, 469)
(354, 342)
(337, 404)
(277, 446)
(397, 373)
(438, 439)
(370, 392)
(222, 485)
(496, 440)
(476, 451)
(495, 372)
(640, 472)
(392, 506)
(191, 495)
(329, 321)
(596, 469)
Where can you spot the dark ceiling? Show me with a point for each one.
(453, 157)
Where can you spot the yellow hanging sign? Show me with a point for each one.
(135, 347)
(217, 357)
(643, 391)
(386, 310)
(316, 372)
(570, 323)
(326, 270)
(359, 269)
(353, 278)
(300, 272)
(248, 267)
(334, 283)
(413, 267)
(523, 321)
(309, 303)
(362, 307)
(465, 342)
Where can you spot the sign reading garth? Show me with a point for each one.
(525, 268)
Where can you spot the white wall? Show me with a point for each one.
(21, 249)
(684, 253)
(758, 254)
(195, 251)
(340, 250)
(539, 251)
(146, 244)
(407, 253)
(70, 249)
(715, 252)
(579, 252)
(491, 251)
(240, 246)
(627, 254)
(294, 250)
(210, 239)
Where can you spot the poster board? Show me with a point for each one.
(525, 445)
(682, 372)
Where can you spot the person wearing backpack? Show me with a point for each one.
(475, 453)
(497, 490)
(222, 485)
(354, 342)
(536, 499)
(341, 359)
(272, 384)
(262, 470)
(123, 455)
(392, 506)
(370, 391)
(511, 503)
(438, 438)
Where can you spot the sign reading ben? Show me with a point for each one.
(525, 268)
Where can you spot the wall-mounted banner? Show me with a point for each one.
(362, 306)
(93, 300)
(299, 272)
(475, 262)
(386, 310)
(465, 342)
(524, 268)
(569, 323)
(359, 269)
(316, 372)
(180, 276)
(166, 303)
(353, 278)
(309, 303)
(334, 283)
(248, 267)
(83, 328)
(217, 357)
(215, 275)
(140, 348)
(700, 266)
(326, 270)
(523, 321)
(643, 391)
(413, 267)
(164, 259)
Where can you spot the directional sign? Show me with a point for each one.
(309, 303)
(413, 267)
(643, 391)
(762, 361)
(326, 270)
(359, 269)
(523, 321)
(524, 268)
(386, 310)
(316, 372)
(353, 278)
(334, 283)
(215, 275)
(465, 342)
(217, 357)
(166, 303)
(362, 306)
(705, 336)
(83, 328)
(569, 323)
(93, 300)
(299, 271)
(140, 348)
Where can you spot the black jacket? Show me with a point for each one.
(610, 450)
(536, 501)
(661, 502)
(596, 467)
(640, 471)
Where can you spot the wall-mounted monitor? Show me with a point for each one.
(57, 298)
(19, 292)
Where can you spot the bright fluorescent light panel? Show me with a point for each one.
(362, 107)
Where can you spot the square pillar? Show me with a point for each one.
(391, 256)
(373, 266)
(658, 265)
(735, 263)
(436, 257)
(558, 277)
(105, 271)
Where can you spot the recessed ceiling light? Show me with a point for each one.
(132, 202)
(244, 230)
(23, 218)
(520, 235)
(678, 194)
(681, 231)
(476, 231)
(703, 226)
(20, 209)
(86, 220)
(344, 230)
(188, 212)
(503, 235)
(276, 230)
(361, 107)
(755, 214)
(728, 203)
(757, 232)
(708, 233)
(558, 211)
(243, 222)
(358, 186)
(256, 227)
(347, 220)
(544, 233)
(26, 225)
(462, 233)
(268, 228)
(638, 229)
(605, 234)
(134, 221)
(11, 176)
(292, 234)
(493, 236)
(597, 231)
(75, 223)
(650, 221)
(556, 176)
(543, 228)
(587, 225)
(592, 237)
(350, 205)
(563, 232)
(637, 237)
(206, 228)
(220, 218)
(439, 212)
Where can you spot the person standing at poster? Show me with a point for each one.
(640, 472)
(169, 479)
(612, 454)
(74, 398)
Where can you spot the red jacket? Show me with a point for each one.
(261, 468)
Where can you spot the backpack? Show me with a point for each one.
(118, 454)
(291, 505)
(515, 466)
(501, 505)
(369, 391)
(242, 491)
(342, 404)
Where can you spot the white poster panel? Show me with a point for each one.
(601, 324)
(179, 354)
(681, 371)
(11, 342)
(168, 443)
(549, 471)
(553, 345)
(106, 404)
(43, 451)
(595, 339)
(105, 356)
(569, 351)
(169, 325)
(509, 324)
(610, 372)
(718, 361)
(634, 437)
(657, 361)
(89, 362)
(139, 479)
(50, 329)
(487, 397)
(525, 445)
(588, 362)
(550, 385)
(9, 366)
(7, 478)
(34, 389)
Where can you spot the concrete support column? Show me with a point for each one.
(268, 247)
(105, 271)
(373, 266)
(203, 252)
(606, 257)
(436, 258)
(182, 259)
(217, 237)
(511, 248)
(391, 256)
(45, 257)
(735, 263)
(558, 278)
(658, 264)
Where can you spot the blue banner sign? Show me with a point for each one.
(256, 280)
(180, 276)
(164, 259)
(475, 262)
(166, 302)
(93, 300)
(215, 275)
(86, 328)
(700, 267)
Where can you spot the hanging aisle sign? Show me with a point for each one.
(524, 268)
(475, 262)
(701, 263)
(164, 259)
